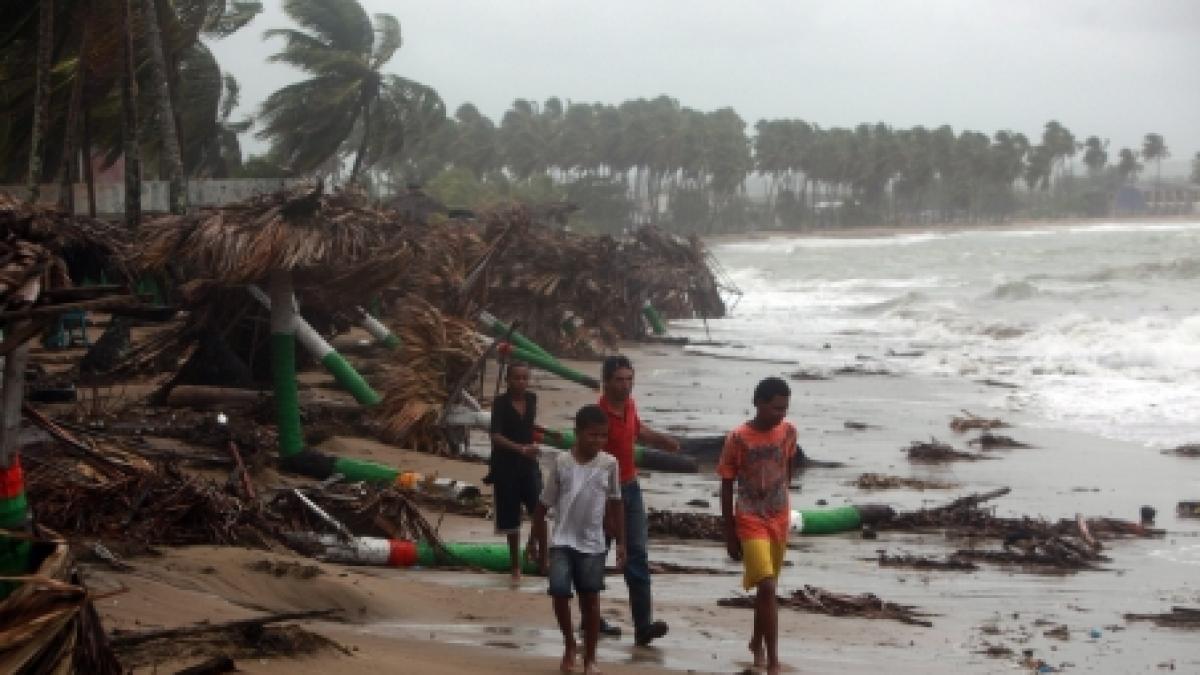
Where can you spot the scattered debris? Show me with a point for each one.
(970, 421)
(245, 638)
(879, 481)
(858, 426)
(1189, 450)
(1178, 617)
(990, 441)
(820, 601)
(807, 376)
(1188, 509)
(285, 568)
(953, 563)
(936, 451)
(699, 503)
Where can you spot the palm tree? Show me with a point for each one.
(347, 95)
(1127, 164)
(1154, 148)
(1095, 154)
(41, 98)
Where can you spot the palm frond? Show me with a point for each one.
(341, 24)
(389, 40)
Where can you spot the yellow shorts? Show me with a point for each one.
(761, 559)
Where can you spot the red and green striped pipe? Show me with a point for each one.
(657, 325)
(381, 552)
(14, 508)
(335, 363)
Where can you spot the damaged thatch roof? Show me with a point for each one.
(330, 236)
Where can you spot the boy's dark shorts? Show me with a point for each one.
(568, 567)
(524, 489)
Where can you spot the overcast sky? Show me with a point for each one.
(1114, 68)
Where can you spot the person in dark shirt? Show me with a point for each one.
(514, 471)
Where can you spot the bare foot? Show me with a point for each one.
(774, 669)
(515, 578)
(760, 656)
(568, 659)
(591, 669)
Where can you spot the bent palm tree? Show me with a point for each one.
(347, 95)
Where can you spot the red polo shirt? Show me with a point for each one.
(622, 434)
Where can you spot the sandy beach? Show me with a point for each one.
(461, 622)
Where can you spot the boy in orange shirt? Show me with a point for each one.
(759, 456)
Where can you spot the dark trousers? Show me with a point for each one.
(637, 559)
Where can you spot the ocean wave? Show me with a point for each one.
(1014, 290)
(905, 300)
(1178, 269)
(789, 245)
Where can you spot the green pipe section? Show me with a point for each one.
(14, 562)
(553, 366)
(501, 330)
(491, 557)
(287, 394)
(348, 377)
(830, 520)
(14, 512)
(356, 470)
(654, 319)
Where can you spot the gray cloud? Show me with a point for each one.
(1115, 68)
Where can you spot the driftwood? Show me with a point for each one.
(1189, 450)
(213, 666)
(990, 441)
(820, 601)
(121, 639)
(952, 563)
(1059, 553)
(1178, 617)
(878, 481)
(970, 421)
(936, 451)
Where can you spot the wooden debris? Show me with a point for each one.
(879, 481)
(990, 441)
(936, 451)
(124, 639)
(1060, 553)
(1178, 617)
(685, 525)
(1189, 450)
(970, 421)
(820, 601)
(952, 563)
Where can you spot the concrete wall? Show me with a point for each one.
(110, 197)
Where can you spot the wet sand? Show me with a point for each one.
(456, 622)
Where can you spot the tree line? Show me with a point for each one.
(137, 80)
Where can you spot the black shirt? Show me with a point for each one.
(510, 424)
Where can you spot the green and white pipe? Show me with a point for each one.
(335, 363)
(283, 364)
(826, 521)
(552, 365)
(502, 330)
(657, 325)
(378, 331)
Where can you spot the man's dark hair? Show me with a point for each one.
(590, 415)
(612, 364)
(769, 388)
(515, 364)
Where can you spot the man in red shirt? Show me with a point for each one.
(625, 428)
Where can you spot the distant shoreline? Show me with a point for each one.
(873, 231)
